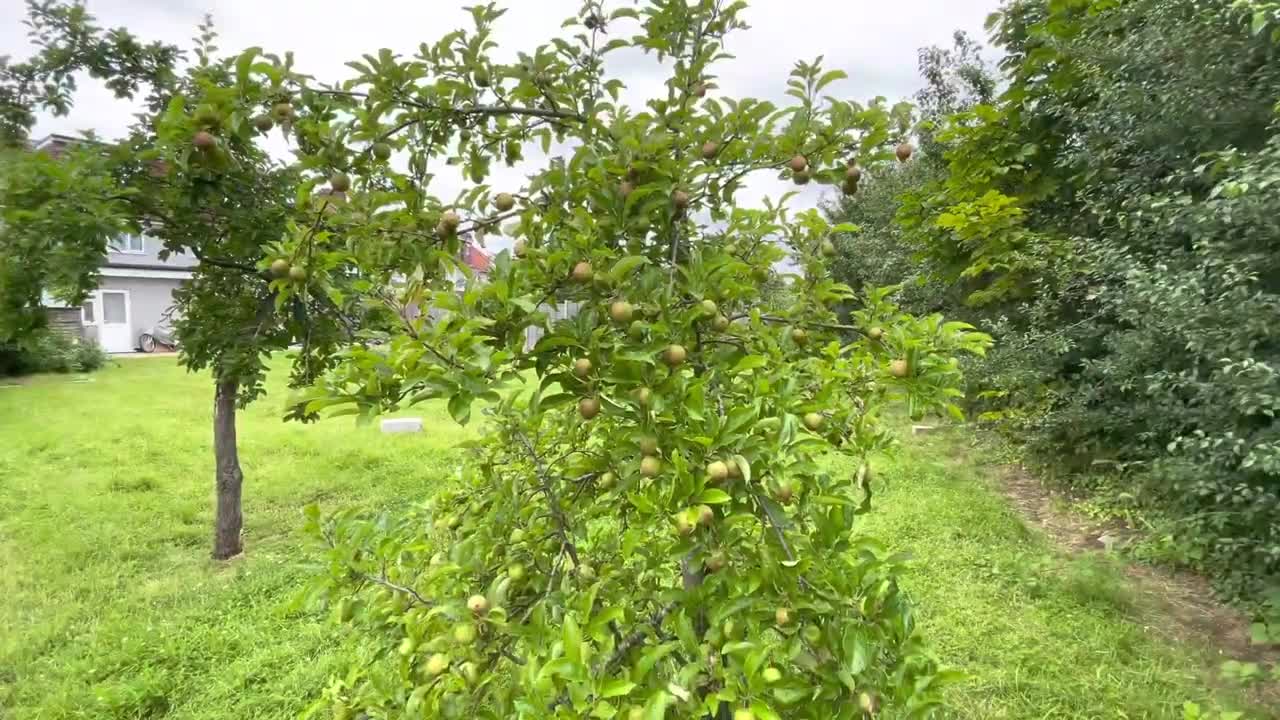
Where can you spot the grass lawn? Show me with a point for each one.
(110, 607)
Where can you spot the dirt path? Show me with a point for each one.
(1178, 605)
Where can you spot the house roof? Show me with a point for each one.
(476, 258)
(56, 145)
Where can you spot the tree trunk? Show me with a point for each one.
(228, 520)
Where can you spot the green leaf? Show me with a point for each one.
(762, 711)
(714, 496)
(1259, 22)
(626, 266)
(243, 65)
(460, 408)
(829, 77)
(651, 658)
(572, 637)
(616, 688)
(750, 362)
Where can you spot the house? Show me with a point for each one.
(135, 292)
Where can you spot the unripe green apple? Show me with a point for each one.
(674, 355)
(717, 471)
(437, 664)
(621, 311)
(706, 515)
(588, 408)
(784, 493)
(684, 525)
(650, 466)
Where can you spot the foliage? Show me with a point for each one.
(48, 351)
(55, 219)
(206, 641)
(194, 174)
(878, 252)
(1110, 218)
(645, 527)
(72, 44)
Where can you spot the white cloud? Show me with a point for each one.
(874, 41)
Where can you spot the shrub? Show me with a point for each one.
(644, 529)
(1112, 220)
(46, 351)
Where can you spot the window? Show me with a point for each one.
(87, 312)
(127, 244)
(114, 311)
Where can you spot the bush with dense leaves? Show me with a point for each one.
(47, 351)
(645, 528)
(1113, 219)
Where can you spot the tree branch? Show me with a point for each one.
(776, 525)
(562, 525)
(475, 110)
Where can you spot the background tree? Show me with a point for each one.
(1108, 212)
(194, 175)
(41, 253)
(646, 526)
(879, 253)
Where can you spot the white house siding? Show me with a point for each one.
(149, 299)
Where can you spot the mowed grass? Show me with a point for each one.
(1041, 634)
(110, 607)
(109, 603)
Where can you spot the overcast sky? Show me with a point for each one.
(874, 41)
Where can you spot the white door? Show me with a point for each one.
(115, 326)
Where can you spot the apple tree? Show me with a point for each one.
(659, 519)
(194, 173)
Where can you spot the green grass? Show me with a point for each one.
(109, 604)
(110, 607)
(1041, 634)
